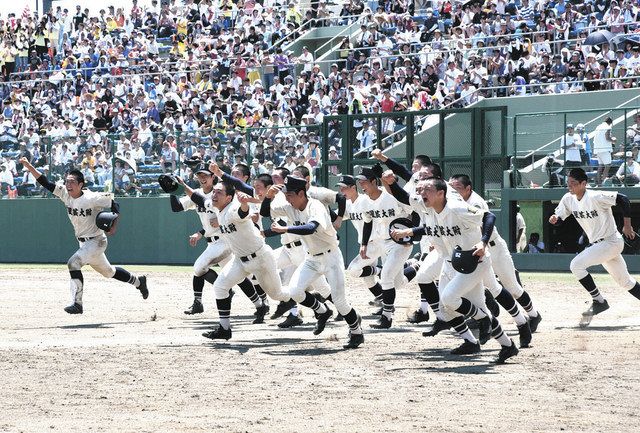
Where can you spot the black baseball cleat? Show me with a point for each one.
(484, 326)
(196, 308)
(74, 308)
(466, 348)
(383, 323)
(418, 316)
(338, 318)
(255, 313)
(534, 322)
(597, 308)
(143, 287)
(218, 334)
(438, 326)
(261, 311)
(282, 308)
(472, 323)
(507, 352)
(290, 321)
(378, 312)
(322, 321)
(525, 335)
(354, 341)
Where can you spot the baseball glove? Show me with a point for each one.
(168, 183)
(464, 261)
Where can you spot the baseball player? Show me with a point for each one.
(356, 205)
(382, 209)
(290, 255)
(251, 254)
(310, 219)
(217, 252)
(503, 267)
(460, 226)
(83, 206)
(592, 210)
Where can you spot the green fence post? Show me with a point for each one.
(410, 142)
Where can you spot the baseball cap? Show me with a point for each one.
(629, 154)
(346, 180)
(569, 125)
(367, 173)
(203, 168)
(294, 184)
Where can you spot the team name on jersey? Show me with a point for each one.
(79, 212)
(231, 228)
(443, 231)
(201, 209)
(384, 213)
(355, 216)
(589, 214)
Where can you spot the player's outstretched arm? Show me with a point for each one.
(40, 178)
(397, 168)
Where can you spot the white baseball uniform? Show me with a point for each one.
(458, 224)
(217, 251)
(322, 254)
(251, 254)
(425, 243)
(593, 213)
(380, 213)
(501, 259)
(354, 213)
(291, 254)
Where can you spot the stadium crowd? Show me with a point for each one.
(128, 94)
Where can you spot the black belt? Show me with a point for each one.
(324, 252)
(492, 243)
(249, 257)
(293, 244)
(599, 240)
(212, 239)
(86, 239)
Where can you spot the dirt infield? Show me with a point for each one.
(131, 366)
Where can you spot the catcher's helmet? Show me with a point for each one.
(464, 261)
(168, 183)
(105, 220)
(401, 224)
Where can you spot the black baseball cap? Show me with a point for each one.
(370, 173)
(346, 180)
(294, 184)
(203, 168)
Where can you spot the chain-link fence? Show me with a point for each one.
(604, 142)
(129, 164)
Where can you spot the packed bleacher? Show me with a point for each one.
(125, 95)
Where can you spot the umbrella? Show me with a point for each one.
(632, 39)
(598, 38)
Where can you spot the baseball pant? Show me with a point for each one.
(455, 285)
(91, 252)
(430, 268)
(608, 254)
(216, 253)
(263, 266)
(503, 267)
(374, 252)
(289, 259)
(327, 265)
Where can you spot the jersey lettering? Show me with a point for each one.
(442, 231)
(585, 214)
(231, 228)
(385, 213)
(78, 212)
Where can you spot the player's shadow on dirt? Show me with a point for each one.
(244, 347)
(467, 364)
(107, 325)
(599, 328)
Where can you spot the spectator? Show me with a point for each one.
(602, 147)
(535, 245)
